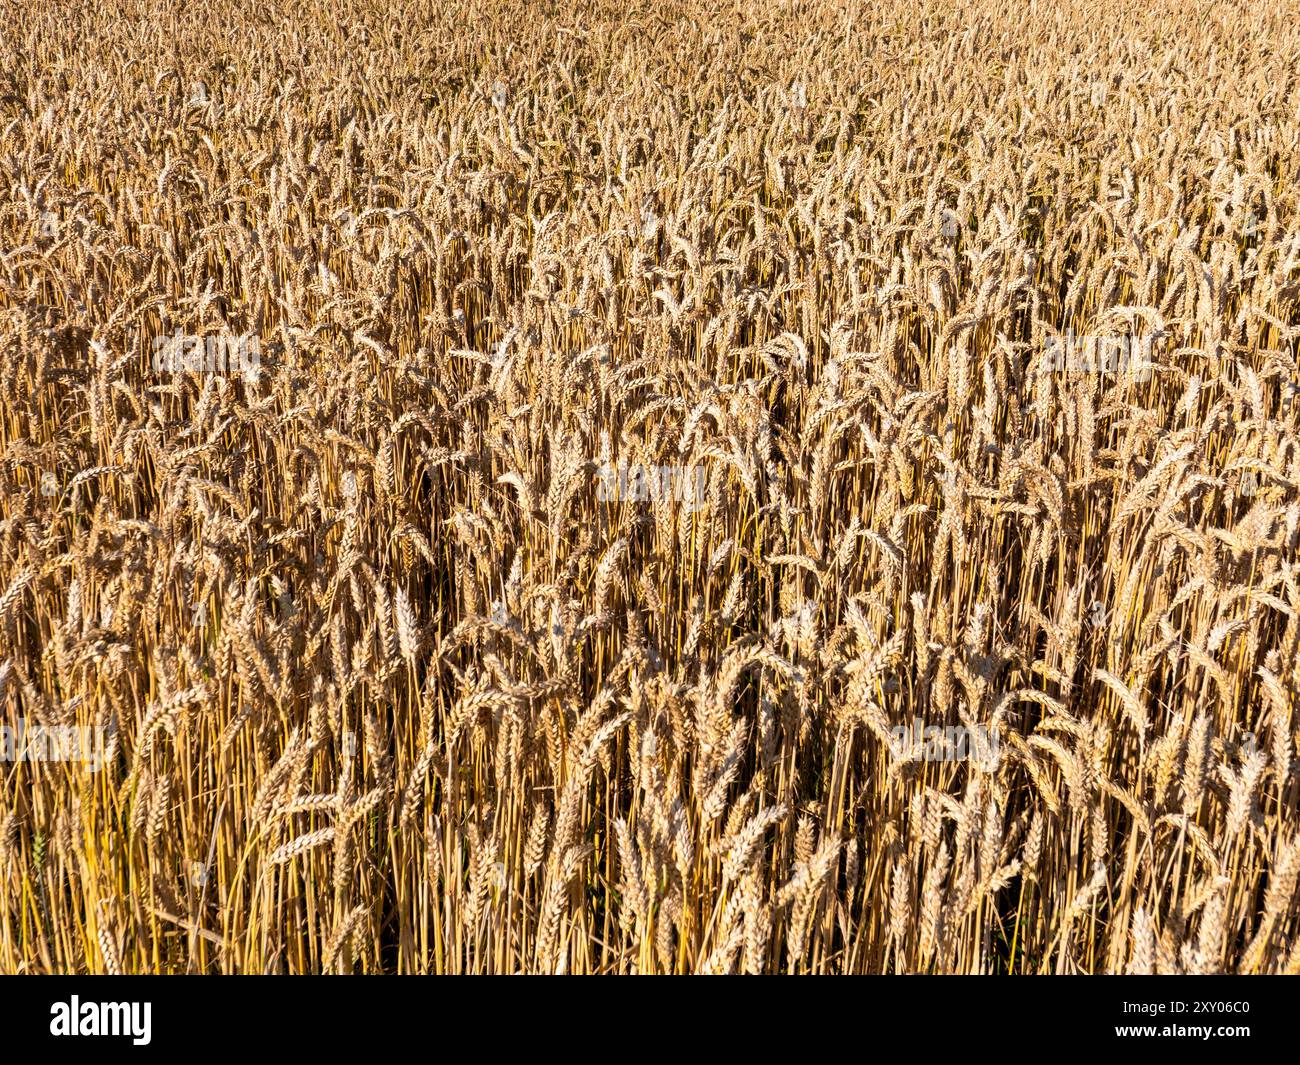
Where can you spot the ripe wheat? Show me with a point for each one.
(393, 675)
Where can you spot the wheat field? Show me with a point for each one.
(656, 486)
